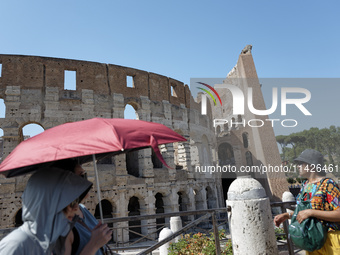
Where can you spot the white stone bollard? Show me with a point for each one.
(287, 197)
(176, 225)
(250, 220)
(165, 232)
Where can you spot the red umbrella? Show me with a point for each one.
(87, 140)
(82, 139)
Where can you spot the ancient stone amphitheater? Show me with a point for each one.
(32, 89)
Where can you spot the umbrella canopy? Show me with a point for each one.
(83, 139)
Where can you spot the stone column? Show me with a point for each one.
(145, 163)
(87, 98)
(166, 232)
(145, 111)
(176, 225)
(184, 155)
(150, 201)
(250, 220)
(118, 106)
(122, 205)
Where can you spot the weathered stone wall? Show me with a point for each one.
(261, 142)
(33, 92)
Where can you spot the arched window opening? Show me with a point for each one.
(159, 205)
(132, 165)
(245, 139)
(130, 113)
(18, 219)
(249, 158)
(218, 129)
(226, 154)
(155, 160)
(134, 226)
(2, 109)
(226, 127)
(211, 199)
(183, 202)
(107, 209)
(30, 130)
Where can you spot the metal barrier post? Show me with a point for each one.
(217, 237)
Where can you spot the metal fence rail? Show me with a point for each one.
(207, 214)
(284, 206)
(213, 217)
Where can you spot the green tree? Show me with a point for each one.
(295, 140)
(281, 140)
(326, 140)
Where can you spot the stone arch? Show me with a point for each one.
(18, 218)
(34, 129)
(218, 129)
(225, 127)
(108, 212)
(155, 160)
(211, 198)
(245, 138)
(131, 158)
(108, 209)
(183, 203)
(226, 154)
(132, 163)
(135, 106)
(134, 210)
(249, 158)
(159, 206)
(183, 200)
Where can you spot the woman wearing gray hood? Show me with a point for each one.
(48, 192)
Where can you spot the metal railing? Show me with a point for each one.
(284, 206)
(211, 216)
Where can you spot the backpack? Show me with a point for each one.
(311, 234)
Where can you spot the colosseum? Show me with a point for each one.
(32, 90)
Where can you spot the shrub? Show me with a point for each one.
(280, 231)
(199, 244)
(290, 180)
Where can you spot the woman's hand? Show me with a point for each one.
(100, 235)
(278, 219)
(305, 214)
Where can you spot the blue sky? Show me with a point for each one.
(181, 39)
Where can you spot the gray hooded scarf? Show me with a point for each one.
(47, 193)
